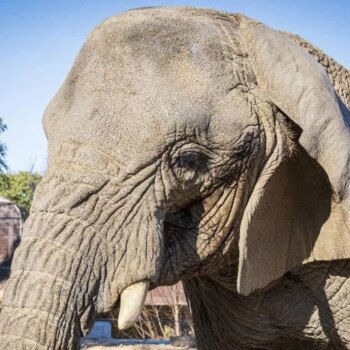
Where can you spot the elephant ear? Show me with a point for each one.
(299, 210)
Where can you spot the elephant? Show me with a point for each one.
(189, 144)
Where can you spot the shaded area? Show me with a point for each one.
(300, 311)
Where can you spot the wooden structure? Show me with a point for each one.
(10, 232)
(172, 295)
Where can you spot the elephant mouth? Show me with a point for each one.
(132, 300)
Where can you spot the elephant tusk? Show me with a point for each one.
(131, 304)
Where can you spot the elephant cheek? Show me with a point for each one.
(138, 257)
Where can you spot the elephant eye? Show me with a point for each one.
(190, 160)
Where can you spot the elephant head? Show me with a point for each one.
(181, 142)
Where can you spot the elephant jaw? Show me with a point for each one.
(131, 304)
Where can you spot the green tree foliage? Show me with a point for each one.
(19, 188)
(3, 149)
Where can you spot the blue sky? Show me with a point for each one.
(40, 39)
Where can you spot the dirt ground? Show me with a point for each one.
(108, 345)
(136, 347)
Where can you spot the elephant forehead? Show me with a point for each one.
(142, 78)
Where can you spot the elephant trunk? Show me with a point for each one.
(49, 299)
(51, 294)
(84, 245)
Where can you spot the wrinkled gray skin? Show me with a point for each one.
(157, 142)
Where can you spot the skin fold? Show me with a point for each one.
(188, 144)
